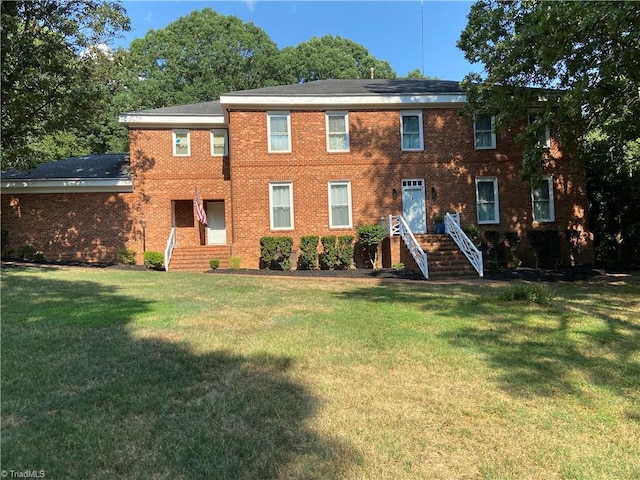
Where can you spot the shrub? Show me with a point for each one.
(275, 253)
(235, 262)
(370, 237)
(126, 256)
(545, 245)
(473, 232)
(268, 251)
(528, 292)
(39, 257)
(329, 256)
(398, 266)
(308, 259)
(154, 260)
(214, 263)
(345, 251)
(27, 251)
(4, 238)
(285, 247)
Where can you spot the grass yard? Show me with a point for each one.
(139, 374)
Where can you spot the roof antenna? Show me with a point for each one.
(371, 70)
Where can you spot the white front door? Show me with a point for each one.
(413, 209)
(216, 227)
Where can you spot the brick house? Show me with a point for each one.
(323, 158)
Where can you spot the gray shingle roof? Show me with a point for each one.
(373, 87)
(104, 166)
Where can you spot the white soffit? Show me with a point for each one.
(208, 121)
(363, 101)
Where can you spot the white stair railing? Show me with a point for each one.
(396, 225)
(168, 251)
(452, 227)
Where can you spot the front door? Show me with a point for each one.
(413, 208)
(216, 227)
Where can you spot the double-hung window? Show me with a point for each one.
(542, 200)
(339, 204)
(487, 200)
(181, 143)
(281, 205)
(411, 131)
(484, 135)
(279, 132)
(545, 135)
(219, 140)
(337, 131)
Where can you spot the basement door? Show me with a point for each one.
(413, 206)
(216, 227)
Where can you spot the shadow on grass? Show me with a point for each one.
(535, 350)
(83, 398)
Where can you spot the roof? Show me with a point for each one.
(372, 87)
(202, 108)
(96, 173)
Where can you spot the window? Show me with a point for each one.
(487, 200)
(411, 130)
(542, 200)
(339, 204)
(545, 136)
(219, 140)
(337, 131)
(279, 127)
(484, 131)
(281, 206)
(181, 143)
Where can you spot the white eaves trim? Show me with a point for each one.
(343, 100)
(69, 185)
(172, 120)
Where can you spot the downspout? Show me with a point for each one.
(231, 207)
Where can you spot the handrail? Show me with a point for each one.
(168, 251)
(452, 227)
(397, 225)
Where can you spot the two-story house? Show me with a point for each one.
(324, 157)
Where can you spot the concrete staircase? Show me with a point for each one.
(196, 259)
(445, 259)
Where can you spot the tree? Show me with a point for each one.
(331, 57)
(583, 59)
(195, 59)
(47, 82)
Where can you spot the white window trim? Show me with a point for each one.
(271, 219)
(346, 128)
(496, 205)
(412, 113)
(173, 147)
(279, 114)
(493, 133)
(219, 132)
(552, 209)
(547, 130)
(348, 184)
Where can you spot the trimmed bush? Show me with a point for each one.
(545, 245)
(345, 252)
(337, 252)
(275, 253)
(235, 262)
(370, 237)
(285, 247)
(214, 263)
(126, 256)
(308, 259)
(154, 260)
(268, 251)
(329, 256)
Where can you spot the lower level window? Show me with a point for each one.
(487, 200)
(542, 200)
(281, 206)
(339, 204)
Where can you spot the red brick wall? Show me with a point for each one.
(83, 227)
(375, 165)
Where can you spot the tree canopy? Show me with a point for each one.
(583, 59)
(49, 51)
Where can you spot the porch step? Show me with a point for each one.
(196, 259)
(444, 257)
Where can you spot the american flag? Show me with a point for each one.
(202, 216)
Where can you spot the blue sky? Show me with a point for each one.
(390, 30)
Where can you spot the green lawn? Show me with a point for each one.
(140, 374)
